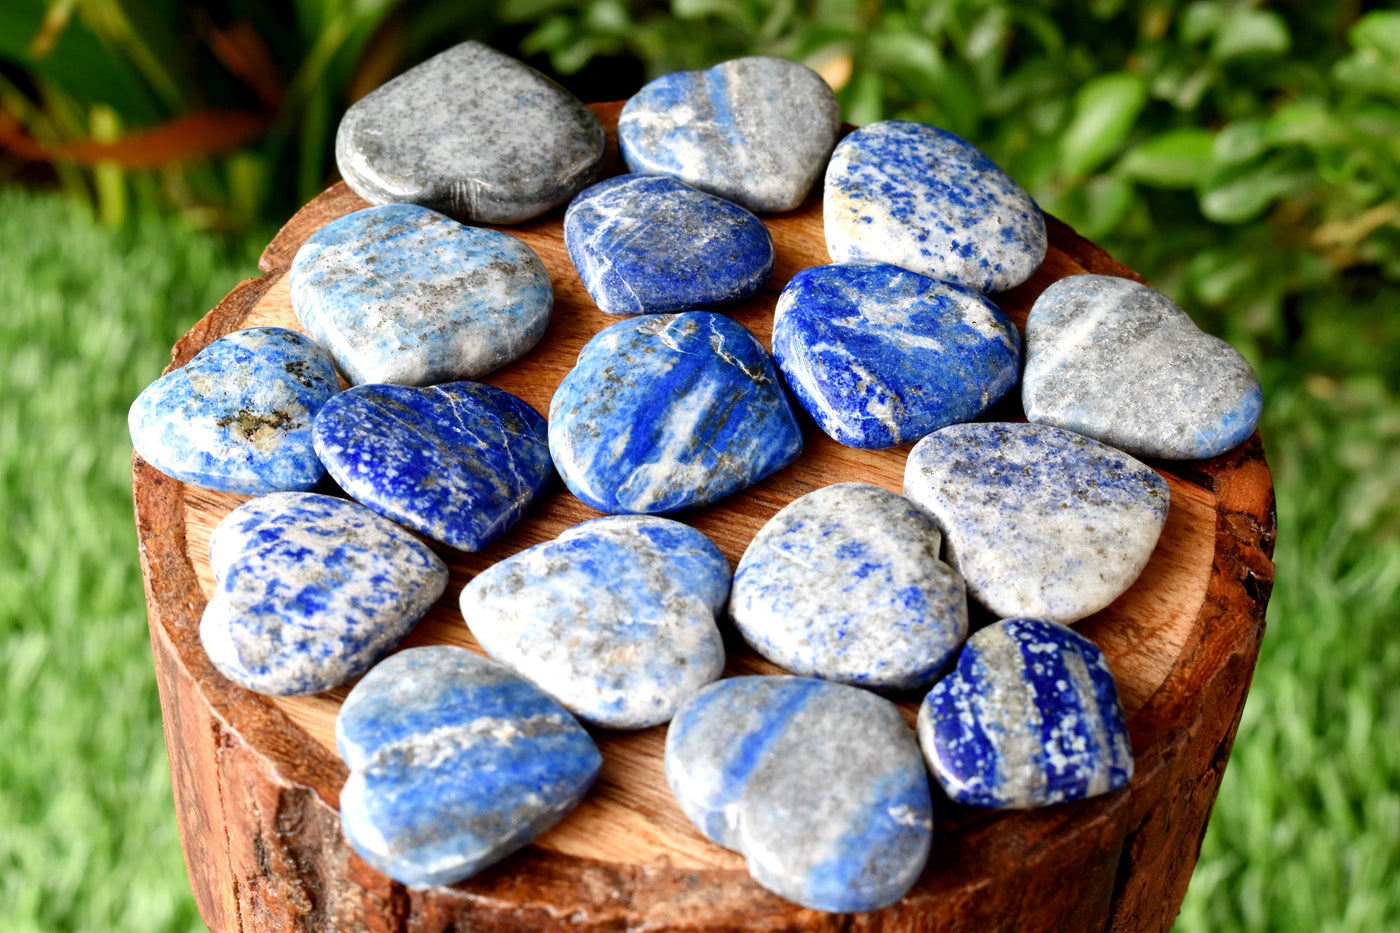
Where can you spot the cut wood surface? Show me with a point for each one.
(257, 779)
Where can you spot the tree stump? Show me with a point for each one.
(257, 779)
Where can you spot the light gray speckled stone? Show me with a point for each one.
(1042, 523)
(472, 133)
(1119, 362)
(845, 584)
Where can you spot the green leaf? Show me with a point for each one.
(1104, 112)
(1240, 141)
(1245, 193)
(1200, 20)
(1378, 31)
(1246, 32)
(1176, 159)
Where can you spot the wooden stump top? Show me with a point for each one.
(257, 779)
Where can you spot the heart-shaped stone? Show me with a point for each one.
(403, 294)
(845, 584)
(756, 131)
(668, 411)
(1119, 362)
(920, 197)
(647, 243)
(615, 618)
(459, 462)
(880, 356)
(237, 417)
(310, 591)
(1029, 717)
(1042, 523)
(819, 785)
(472, 133)
(454, 763)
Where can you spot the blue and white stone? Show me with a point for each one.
(1029, 717)
(647, 243)
(670, 411)
(615, 618)
(455, 763)
(756, 131)
(472, 133)
(1117, 361)
(920, 197)
(237, 417)
(1042, 523)
(845, 584)
(310, 591)
(819, 785)
(880, 356)
(403, 294)
(458, 462)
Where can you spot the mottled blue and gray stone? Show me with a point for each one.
(310, 591)
(615, 618)
(455, 763)
(472, 133)
(237, 417)
(458, 462)
(880, 356)
(647, 243)
(1119, 362)
(668, 411)
(819, 785)
(845, 584)
(1041, 522)
(755, 131)
(403, 294)
(920, 197)
(1029, 717)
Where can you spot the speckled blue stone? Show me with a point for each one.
(310, 591)
(237, 417)
(454, 763)
(668, 411)
(880, 356)
(647, 243)
(756, 131)
(920, 197)
(402, 294)
(1029, 717)
(819, 785)
(615, 618)
(458, 462)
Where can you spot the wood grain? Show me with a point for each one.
(257, 780)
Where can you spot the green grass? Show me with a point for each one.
(1306, 833)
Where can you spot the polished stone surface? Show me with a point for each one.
(1029, 717)
(310, 591)
(668, 411)
(458, 462)
(819, 785)
(237, 417)
(615, 618)
(647, 243)
(454, 764)
(931, 202)
(880, 356)
(472, 133)
(1117, 361)
(845, 584)
(1041, 522)
(403, 294)
(756, 131)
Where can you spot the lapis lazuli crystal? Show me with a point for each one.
(455, 762)
(647, 243)
(819, 785)
(237, 417)
(880, 356)
(667, 411)
(1029, 717)
(458, 462)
